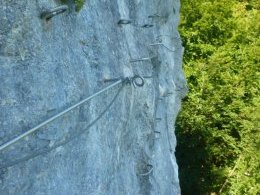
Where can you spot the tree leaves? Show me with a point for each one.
(219, 119)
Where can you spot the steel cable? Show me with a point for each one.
(135, 80)
(67, 140)
(16, 139)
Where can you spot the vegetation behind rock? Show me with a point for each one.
(218, 129)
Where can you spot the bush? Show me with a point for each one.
(219, 118)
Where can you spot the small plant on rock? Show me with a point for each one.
(78, 4)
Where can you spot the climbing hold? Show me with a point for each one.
(47, 15)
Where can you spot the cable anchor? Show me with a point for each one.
(136, 81)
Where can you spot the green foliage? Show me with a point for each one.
(218, 123)
(78, 4)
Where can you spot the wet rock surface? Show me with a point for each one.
(121, 142)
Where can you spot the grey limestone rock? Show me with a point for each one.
(100, 148)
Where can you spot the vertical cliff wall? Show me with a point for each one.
(122, 141)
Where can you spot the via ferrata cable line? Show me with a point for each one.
(64, 141)
(135, 80)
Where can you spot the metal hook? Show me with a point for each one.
(47, 15)
(168, 94)
(124, 21)
(172, 37)
(154, 16)
(148, 172)
(147, 25)
(128, 21)
(155, 44)
(142, 59)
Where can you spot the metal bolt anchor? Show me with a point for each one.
(137, 81)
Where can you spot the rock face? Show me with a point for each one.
(122, 141)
